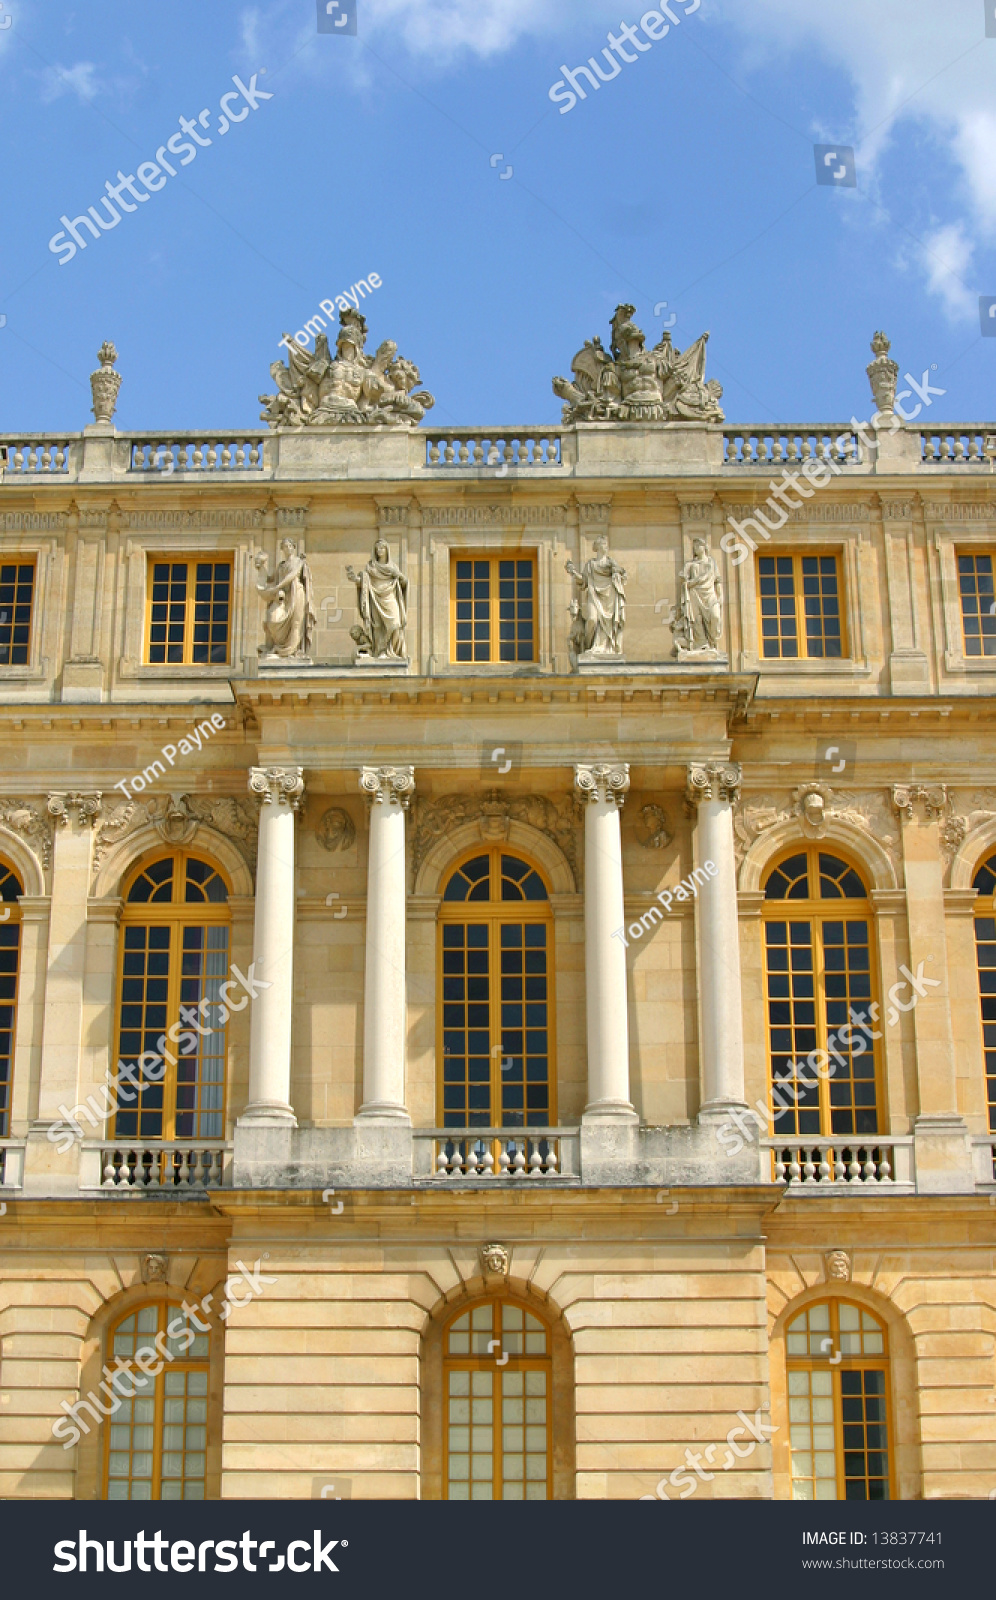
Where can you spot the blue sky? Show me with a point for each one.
(688, 178)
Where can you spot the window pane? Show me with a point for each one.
(975, 582)
(17, 581)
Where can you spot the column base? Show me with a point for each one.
(382, 1111)
(718, 1111)
(618, 1112)
(268, 1113)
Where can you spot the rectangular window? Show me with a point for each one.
(800, 615)
(17, 586)
(975, 582)
(493, 609)
(189, 612)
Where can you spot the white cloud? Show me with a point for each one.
(79, 80)
(903, 69)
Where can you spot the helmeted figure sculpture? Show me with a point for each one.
(317, 389)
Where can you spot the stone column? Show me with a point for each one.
(385, 990)
(712, 791)
(46, 1167)
(603, 789)
(942, 1148)
(281, 790)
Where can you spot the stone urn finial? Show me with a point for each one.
(883, 375)
(105, 383)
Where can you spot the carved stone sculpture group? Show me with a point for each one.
(318, 389)
(628, 383)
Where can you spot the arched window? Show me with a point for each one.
(10, 950)
(155, 1437)
(985, 949)
(498, 1398)
(838, 1403)
(174, 960)
(818, 975)
(496, 1002)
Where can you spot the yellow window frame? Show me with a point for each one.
(495, 912)
(802, 638)
(213, 558)
(499, 1362)
(167, 1311)
(176, 914)
(493, 560)
(816, 911)
(836, 1362)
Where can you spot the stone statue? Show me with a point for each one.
(602, 603)
(883, 375)
(696, 622)
(105, 383)
(317, 389)
(382, 601)
(289, 622)
(633, 384)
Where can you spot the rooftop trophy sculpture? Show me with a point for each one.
(599, 615)
(317, 389)
(696, 622)
(633, 384)
(289, 621)
(382, 601)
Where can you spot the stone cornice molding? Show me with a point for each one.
(604, 782)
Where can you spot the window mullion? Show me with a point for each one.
(172, 1015)
(188, 616)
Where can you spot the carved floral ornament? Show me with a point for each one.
(437, 819)
(24, 817)
(177, 818)
(810, 808)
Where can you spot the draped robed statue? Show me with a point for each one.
(382, 601)
(601, 614)
(289, 621)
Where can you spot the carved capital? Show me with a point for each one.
(285, 785)
(607, 783)
(86, 806)
(713, 780)
(934, 799)
(396, 785)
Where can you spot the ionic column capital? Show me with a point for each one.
(285, 785)
(603, 782)
(86, 806)
(395, 785)
(713, 780)
(933, 798)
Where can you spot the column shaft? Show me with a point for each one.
(712, 789)
(385, 986)
(62, 1035)
(282, 790)
(602, 789)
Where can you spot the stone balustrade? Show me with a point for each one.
(482, 449)
(150, 1167)
(818, 1163)
(771, 447)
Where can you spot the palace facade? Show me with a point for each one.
(498, 952)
